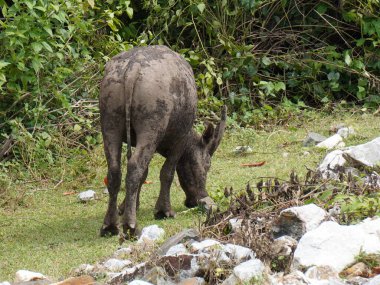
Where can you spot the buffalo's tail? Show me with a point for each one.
(131, 74)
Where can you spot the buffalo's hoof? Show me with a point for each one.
(159, 215)
(108, 230)
(191, 203)
(130, 232)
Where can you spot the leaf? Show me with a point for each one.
(255, 164)
(266, 61)
(77, 128)
(148, 182)
(91, 3)
(48, 30)
(47, 46)
(219, 80)
(36, 64)
(201, 7)
(130, 12)
(3, 64)
(36, 47)
(347, 58)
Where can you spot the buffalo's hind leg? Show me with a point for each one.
(136, 168)
(122, 204)
(112, 149)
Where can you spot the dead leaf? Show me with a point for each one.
(105, 180)
(69, 193)
(255, 164)
(148, 182)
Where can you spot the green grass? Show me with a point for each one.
(52, 233)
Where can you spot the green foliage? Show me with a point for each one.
(267, 60)
(266, 51)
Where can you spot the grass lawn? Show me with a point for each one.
(52, 233)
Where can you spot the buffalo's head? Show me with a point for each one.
(195, 162)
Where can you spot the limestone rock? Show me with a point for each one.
(139, 282)
(246, 271)
(337, 245)
(293, 278)
(313, 139)
(181, 237)
(332, 164)
(122, 253)
(84, 269)
(296, 221)
(235, 224)
(151, 234)
(193, 281)
(358, 269)
(238, 253)
(364, 155)
(346, 132)
(177, 250)
(87, 196)
(335, 141)
(283, 246)
(322, 273)
(367, 154)
(204, 245)
(5, 283)
(207, 204)
(81, 280)
(156, 275)
(116, 265)
(374, 281)
(26, 275)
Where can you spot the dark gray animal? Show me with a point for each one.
(148, 99)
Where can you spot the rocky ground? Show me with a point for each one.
(269, 235)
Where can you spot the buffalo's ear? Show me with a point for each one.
(218, 132)
(208, 134)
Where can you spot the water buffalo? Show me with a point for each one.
(148, 99)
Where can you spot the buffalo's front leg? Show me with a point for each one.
(163, 207)
(112, 149)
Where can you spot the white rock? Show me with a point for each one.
(235, 224)
(87, 195)
(367, 154)
(105, 191)
(331, 164)
(5, 283)
(231, 280)
(177, 250)
(283, 246)
(84, 269)
(205, 244)
(336, 245)
(243, 149)
(116, 265)
(248, 270)
(374, 281)
(194, 267)
(285, 154)
(122, 252)
(322, 273)
(26, 275)
(345, 132)
(237, 252)
(331, 142)
(295, 221)
(293, 278)
(139, 282)
(150, 234)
